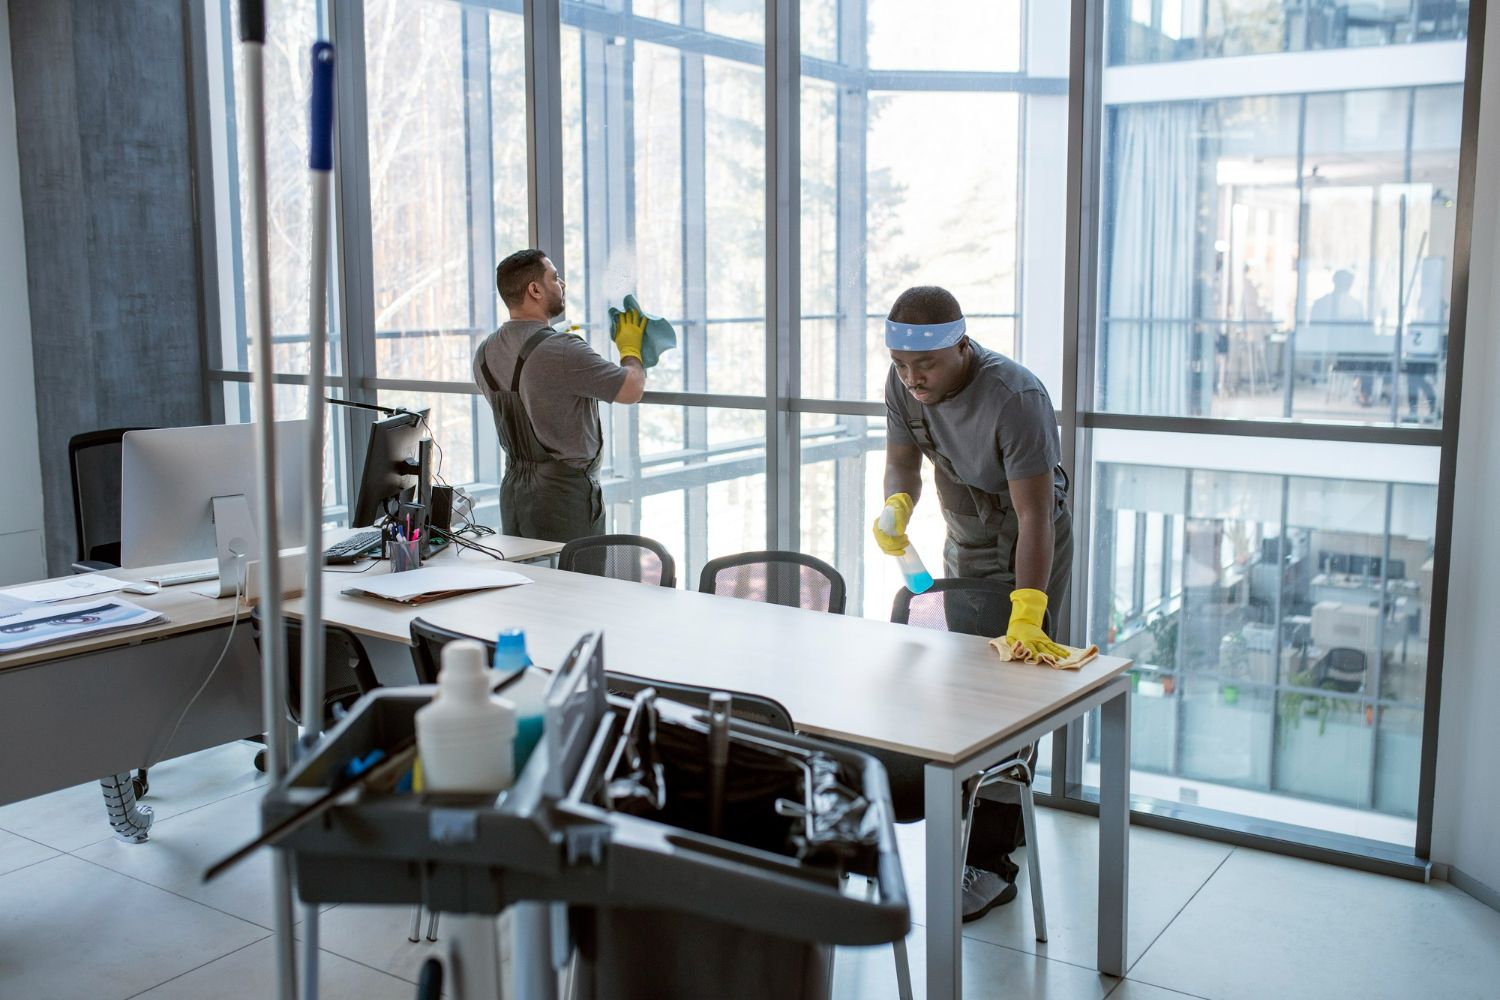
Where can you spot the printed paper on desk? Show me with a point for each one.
(418, 585)
(67, 588)
(41, 626)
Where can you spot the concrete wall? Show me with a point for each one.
(1466, 827)
(21, 486)
(112, 265)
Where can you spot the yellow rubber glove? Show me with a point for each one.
(894, 543)
(629, 331)
(1026, 610)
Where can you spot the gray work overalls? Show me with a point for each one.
(540, 496)
(983, 528)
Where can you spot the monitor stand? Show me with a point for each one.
(235, 540)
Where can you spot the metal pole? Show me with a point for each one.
(273, 651)
(320, 165)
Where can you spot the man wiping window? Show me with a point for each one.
(988, 426)
(545, 386)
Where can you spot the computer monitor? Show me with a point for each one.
(169, 477)
(396, 468)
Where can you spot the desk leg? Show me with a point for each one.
(1114, 831)
(944, 872)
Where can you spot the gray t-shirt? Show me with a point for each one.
(1001, 426)
(561, 383)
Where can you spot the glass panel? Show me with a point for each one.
(1267, 258)
(1278, 626)
(946, 34)
(1146, 31)
(446, 93)
(288, 200)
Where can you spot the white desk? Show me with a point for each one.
(939, 696)
(75, 711)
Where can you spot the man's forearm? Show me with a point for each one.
(1034, 552)
(899, 480)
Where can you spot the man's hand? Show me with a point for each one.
(1026, 610)
(898, 507)
(629, 331)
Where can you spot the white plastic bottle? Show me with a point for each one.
(912, 568)
(466, 736)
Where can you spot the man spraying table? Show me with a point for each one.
(988, 426)
(545, 386)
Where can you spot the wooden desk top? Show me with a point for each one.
(932, 694)
(187, 611)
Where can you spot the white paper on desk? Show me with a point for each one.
(66, 588)
(59, 623)
(11, 605)
(415, 583)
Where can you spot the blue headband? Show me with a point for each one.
(931, 337)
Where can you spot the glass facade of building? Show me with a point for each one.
(1276, 209)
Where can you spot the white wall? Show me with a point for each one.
(1466, 827)
(21, 538)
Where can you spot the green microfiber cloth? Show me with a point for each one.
(659, 337)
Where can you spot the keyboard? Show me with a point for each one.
(193, 576)
(351, 549)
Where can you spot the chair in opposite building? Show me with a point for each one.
(791, 579)
(1341, 669)
(620, 557)
(94, 466)
(973, 607)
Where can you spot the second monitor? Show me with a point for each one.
(397, 471)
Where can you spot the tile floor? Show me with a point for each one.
(84, 916)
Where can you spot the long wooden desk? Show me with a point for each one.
(935, 695)
(939, 696)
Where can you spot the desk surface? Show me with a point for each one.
(932, 694)
(187, 611)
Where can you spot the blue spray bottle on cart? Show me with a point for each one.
(527, 693)
(912, 567)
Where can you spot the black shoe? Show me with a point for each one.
(983, 891)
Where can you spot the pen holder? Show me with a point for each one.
(405, 554)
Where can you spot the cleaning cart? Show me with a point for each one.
(604, 847)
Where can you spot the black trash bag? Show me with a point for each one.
(842, 831)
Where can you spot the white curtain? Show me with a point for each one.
(1151, 248)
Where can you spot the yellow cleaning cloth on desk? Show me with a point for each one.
(1017, 653)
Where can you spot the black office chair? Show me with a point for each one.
(1341, 669)
(94, 464)
(972, 607)
(427, 642)
(620, 557)
(790, 579)
(347, 672)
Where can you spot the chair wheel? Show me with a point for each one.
(139, 784)
(260, 761)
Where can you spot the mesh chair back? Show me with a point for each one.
(94, 463)
(791, 579)
(620, 557)
(750, 707)
(347, 670)
(1342, 669)
(954, 604)
(427, 642)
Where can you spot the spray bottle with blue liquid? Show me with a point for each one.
(918, 579)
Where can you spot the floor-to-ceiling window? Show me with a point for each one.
(1276, 245)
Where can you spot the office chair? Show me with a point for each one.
(972, 607)
(755, 708)
(790, 579)
(1341, 669)
(347, 672)
(620, 557)
(94, 466)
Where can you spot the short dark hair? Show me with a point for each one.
(926, 304)
(518, 271)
